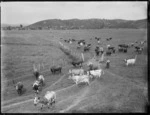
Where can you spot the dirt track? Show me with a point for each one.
(73, 97)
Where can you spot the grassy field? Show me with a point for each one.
(121, 89)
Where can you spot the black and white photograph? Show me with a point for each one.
(74, 57)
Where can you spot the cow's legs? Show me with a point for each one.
(42, 106)
(48, 105)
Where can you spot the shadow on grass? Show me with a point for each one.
(77, 111)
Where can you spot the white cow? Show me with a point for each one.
(108, 46)
(36, 86)
(76, 71)
(130, 61)
(95, 73)
(41, 79)
(70, 42)
(84, 80)
(81, 44)
(48, 99)
(78, 79)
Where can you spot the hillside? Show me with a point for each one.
(88, 24)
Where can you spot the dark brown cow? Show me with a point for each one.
(55, 69)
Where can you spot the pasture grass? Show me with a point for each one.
(20, 49)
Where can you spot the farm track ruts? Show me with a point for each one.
(111, 74)
(27, 75)
(30, 95)
(44, 88)
(18, 103)
(73, 86)
(138, 84)
(86, 97)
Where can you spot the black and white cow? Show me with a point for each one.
(138, 49)
(87, 47)
(108, 39)
(19, 87)
(36, 86)
(97, 51)
(112, 49)
(55, 69)
(77, 63)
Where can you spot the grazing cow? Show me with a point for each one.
(108, 39)
(93, 67)
(88, 45)
(48, 99)
(41, 79)
(75, 64)
(98, 41)
(70, 42)
(86, 48)
(36, 86)
(78, 79)
(112, 49)
(36, 73)
(123, 45)
(138, 49)
(73, 40)
(107, 63)
(125, 50)
(108, 53)
(84, 80)
(95, 73)
(97, 51)
(81, 42)
(130, 61)
(120, 49)
(65, 40)
(76, 71)
(19, 87)
(108, 46)
(55, 69)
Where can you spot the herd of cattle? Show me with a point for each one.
(78, 74)
(121, 47)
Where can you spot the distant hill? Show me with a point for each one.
(88, 24)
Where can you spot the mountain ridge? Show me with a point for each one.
(88, 23)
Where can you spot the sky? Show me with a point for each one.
(31, 12)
